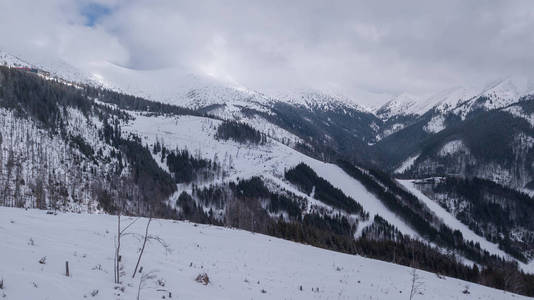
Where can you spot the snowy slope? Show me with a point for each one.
(506, 91)
(240, 264)
(35, 164)
(58, 68)
(401, 105)
(170, 85)
(407, 164)
(499, 94)
(244, 161)
(455, 224)
(520, 113)
(314, 99)
(448, 99)
(442, 101)
(11, 61)
(459, 100)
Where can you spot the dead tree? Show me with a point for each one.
(416, 284)
(143, 247)
(117, 248)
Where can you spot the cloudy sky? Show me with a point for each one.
(366, 50)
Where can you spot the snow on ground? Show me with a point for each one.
(391, 130)
(276, 132)
(353, 188)
(435, 125)
(400, 105)
(506, 91)
(451, 98)
(12, 61)
(313, 99)
(240, 264)
(453, 147)
(455, 224)
(244, 161)
(233, 111)
(408, 163)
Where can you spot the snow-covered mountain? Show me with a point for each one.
(497, 95)
(401, 105)
(12, 61)
(302, 166)
(459, 100)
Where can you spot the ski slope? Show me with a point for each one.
(240, 264)
(455, 224)
(197, 134)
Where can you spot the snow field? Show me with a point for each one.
(240, 264)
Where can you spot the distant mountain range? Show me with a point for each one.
(306, 165)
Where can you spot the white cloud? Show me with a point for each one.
(359, 48)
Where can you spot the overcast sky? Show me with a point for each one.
(356, 48)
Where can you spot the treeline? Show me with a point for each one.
(293, 206)
(330, 131)
(48, 105)
(184, 167)
(155, 185)
(242, 208)
(44, 101)
(133, 103)
(240, 132)
(402, 203)
(380, 229)
(409, 252)
(489, 209)
(308, 181)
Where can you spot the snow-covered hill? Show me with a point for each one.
(455, 224)
(197, 134)
(299, 119)
(239, 264)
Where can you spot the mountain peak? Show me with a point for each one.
(509, 89)
(401, 104)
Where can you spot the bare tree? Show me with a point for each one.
(416, 283)
(142, 248)
(117, 248)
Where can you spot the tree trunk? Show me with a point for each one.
(142, 248)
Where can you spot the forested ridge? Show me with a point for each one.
(63, 148)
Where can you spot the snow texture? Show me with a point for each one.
(239, 264)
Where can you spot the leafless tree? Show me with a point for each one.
(117, 248)
(416, 283)
(415, 280)
(142, 248)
